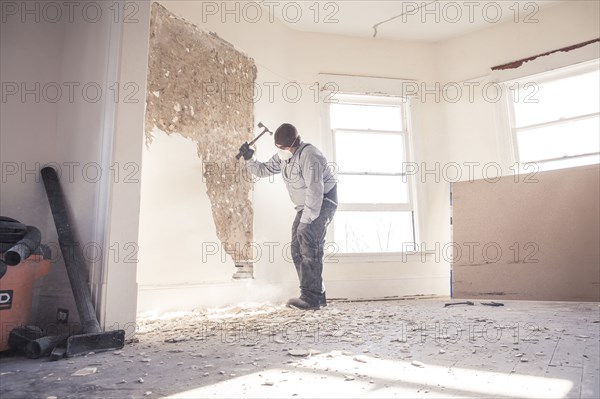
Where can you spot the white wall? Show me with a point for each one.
(74, 132)
(123, 140)
(30, 53)
(475, 130)
(77, 149)
(472, 55)
(174, 223)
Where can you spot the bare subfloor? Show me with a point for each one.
(413, 348)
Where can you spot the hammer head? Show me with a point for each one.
(265, 129)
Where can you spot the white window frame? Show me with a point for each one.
(544, 77)
(404, 104)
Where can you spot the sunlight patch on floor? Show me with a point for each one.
(450, 379)
(334, 374)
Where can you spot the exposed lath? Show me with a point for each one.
(518, 63)
(201, 87)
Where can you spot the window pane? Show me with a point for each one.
(372, 190)
(563, 98)
(369, 152)
(373, 117)
(373, 231)
(560, 140)
(560, 164)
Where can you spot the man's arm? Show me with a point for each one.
(313, 169)
(264, 169)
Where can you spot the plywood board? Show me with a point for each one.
(532, 239)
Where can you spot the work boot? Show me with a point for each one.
(323, 300)
(300, 303)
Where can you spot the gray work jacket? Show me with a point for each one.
(307, 176)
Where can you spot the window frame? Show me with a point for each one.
(541, 78)
(404, 104)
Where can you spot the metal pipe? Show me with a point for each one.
(73, 257)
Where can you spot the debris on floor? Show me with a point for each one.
(85, 371)
(459, 303)
(496, 304)
(413, 348)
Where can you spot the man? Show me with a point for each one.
(312, 185)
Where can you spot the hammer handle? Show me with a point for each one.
(239, 155)
(259, 136)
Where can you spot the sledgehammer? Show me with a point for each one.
(265, 130)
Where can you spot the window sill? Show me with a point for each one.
(377, 257)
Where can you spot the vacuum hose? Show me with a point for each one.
(24, 247)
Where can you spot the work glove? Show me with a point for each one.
(246, 151)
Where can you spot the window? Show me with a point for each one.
(371, 145)
(555, 118)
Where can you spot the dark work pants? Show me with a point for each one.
(307, 252)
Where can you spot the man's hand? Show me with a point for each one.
(246, 151)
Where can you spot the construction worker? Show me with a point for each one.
(312, 186)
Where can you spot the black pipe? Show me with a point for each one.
(73, 257)
(43, 250)
(44, 346)
(24, 248)
(11, 230)
(7, 219)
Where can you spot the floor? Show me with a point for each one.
(413, 348)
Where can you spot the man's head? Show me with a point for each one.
(286, 136)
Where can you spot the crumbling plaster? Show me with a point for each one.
(201, 88)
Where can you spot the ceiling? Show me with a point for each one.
(424, 20)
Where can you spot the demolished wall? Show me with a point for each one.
(201, 88)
